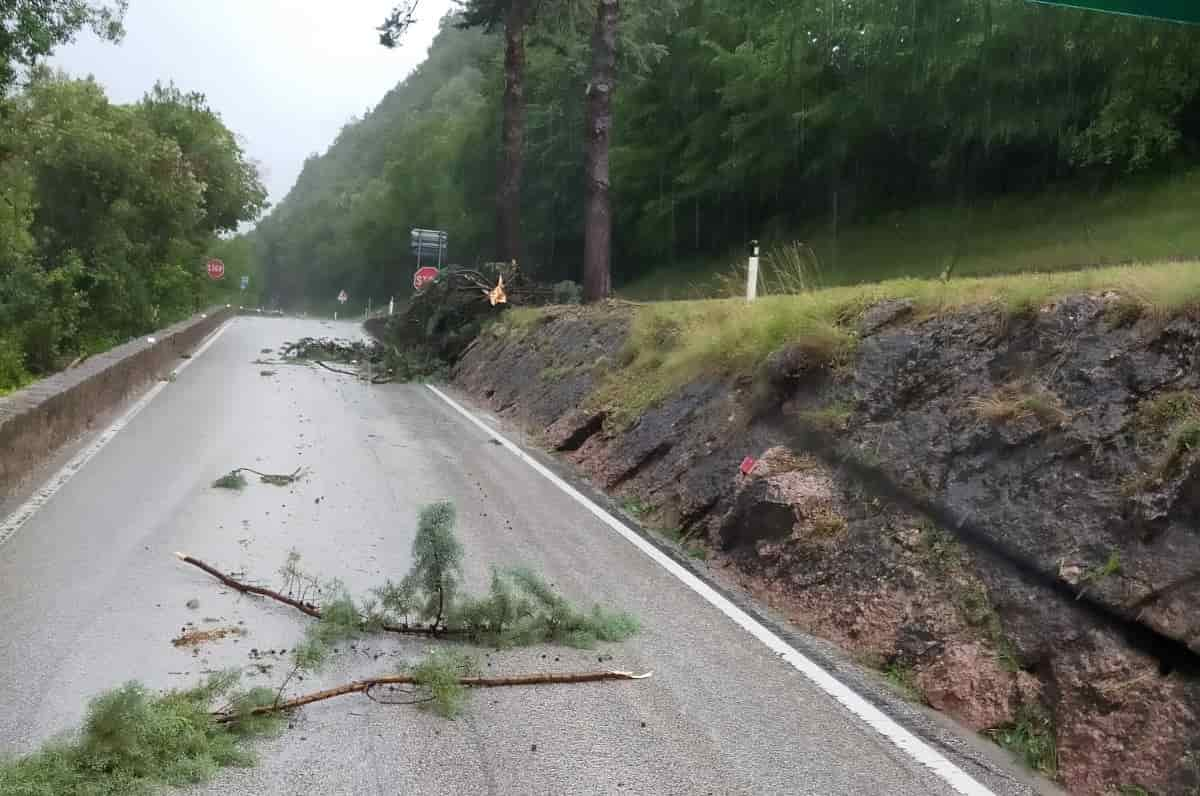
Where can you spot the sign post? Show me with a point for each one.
(216, 269)
(245, 283)
(429, 243)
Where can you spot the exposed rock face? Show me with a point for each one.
(1009, 474)
(967, 682)
(776, 506)
(1120, 721)
(1052, 493)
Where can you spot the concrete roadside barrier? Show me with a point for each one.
(38, 420)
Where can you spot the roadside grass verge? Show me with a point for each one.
(1143, 219)
(516, 323)
(1173, 418)
(832, 418)
(903, 680)
(1018, 401)
(1030, 737)
(674, 343)
(1163, 412)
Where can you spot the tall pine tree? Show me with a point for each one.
(597, 247)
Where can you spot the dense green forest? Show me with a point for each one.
(425, 153)
(740, 119)
(108, 212)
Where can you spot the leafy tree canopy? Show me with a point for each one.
(32, 29)
(109, 214)
(737, 119)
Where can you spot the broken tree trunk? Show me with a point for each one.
(306, 608)
(362, 686)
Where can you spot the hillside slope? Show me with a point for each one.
(993, 503)
(1063, 227)
(991, 133)
(345, 224)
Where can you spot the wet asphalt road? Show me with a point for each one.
(91, 596)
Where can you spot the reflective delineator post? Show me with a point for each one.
(752, 275)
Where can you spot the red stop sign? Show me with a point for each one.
(216, 269)
(424, 276)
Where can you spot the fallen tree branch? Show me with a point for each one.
(336, 370)
(362, 686)
(304, 607)
(245, 588)
(275, 479)
(234, 480)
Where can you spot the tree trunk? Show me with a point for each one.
(597, 247)
(508, 185)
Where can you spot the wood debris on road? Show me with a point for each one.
(364, 686)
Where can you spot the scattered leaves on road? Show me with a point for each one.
(194, 637)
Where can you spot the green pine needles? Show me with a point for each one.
(439, 675)
(134, 742)
(340, 621)
(231, 480)
(437, 561)
(520, 608)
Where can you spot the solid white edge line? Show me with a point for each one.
(913, 746)
(25, 512)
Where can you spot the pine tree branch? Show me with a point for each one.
(362, 686)
(336, 370)
(277, 479)
(304, 607)
(245, 588)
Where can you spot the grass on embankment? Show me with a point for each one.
(1142, 220)
(674, 343)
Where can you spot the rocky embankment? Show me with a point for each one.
(1001, 513)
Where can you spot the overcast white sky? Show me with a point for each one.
(284, 74)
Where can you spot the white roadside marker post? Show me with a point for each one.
(752, 275)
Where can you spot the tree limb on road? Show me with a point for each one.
(304, 607)
(275, 479)
(363, 686)
(336, 370)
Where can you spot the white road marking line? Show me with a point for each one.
(920, 751)
(26, 510)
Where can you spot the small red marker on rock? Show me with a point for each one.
(748, 465)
